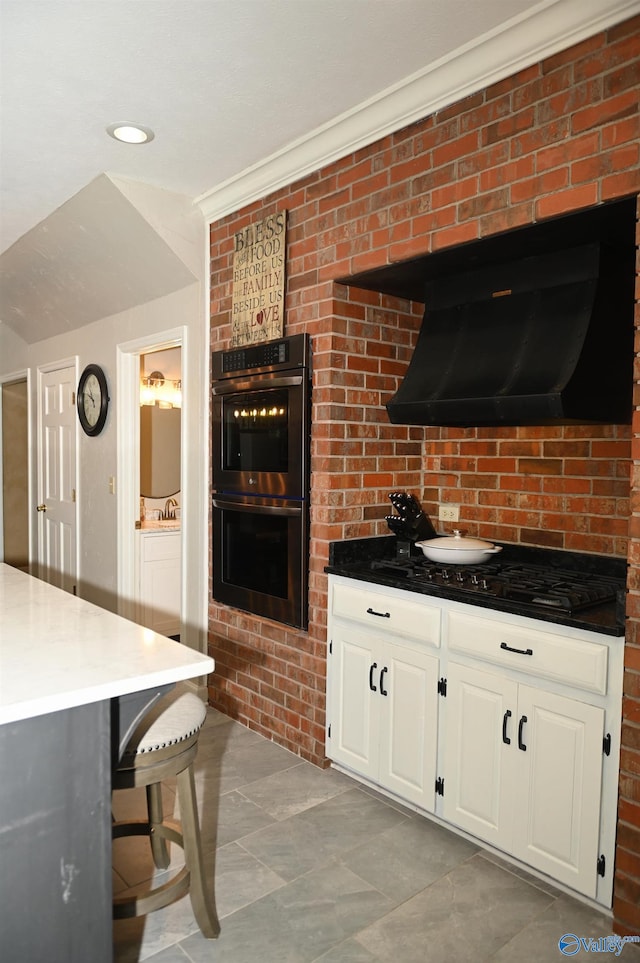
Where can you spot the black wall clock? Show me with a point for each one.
(93, 399)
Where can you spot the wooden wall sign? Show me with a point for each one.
(258, 281)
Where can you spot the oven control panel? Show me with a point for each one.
(255, 356)
(291, 352)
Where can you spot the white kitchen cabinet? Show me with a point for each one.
(383, 697)
(516, 721)
(522, 770)
(160, 581)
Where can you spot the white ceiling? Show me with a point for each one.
(226, 84)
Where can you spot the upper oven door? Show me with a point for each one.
(261, 434)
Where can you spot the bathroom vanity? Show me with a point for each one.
(160, 576)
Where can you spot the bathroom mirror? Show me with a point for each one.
(159, 451)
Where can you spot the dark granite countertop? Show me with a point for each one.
(351, 558)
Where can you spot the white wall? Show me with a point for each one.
(97, 508)
(13, 351)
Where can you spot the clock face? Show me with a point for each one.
(93, 399)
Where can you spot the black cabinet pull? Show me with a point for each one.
(383, 691)
(505, 719)
(381, 615)
(507, 648)
(371, 685)
(521, 744)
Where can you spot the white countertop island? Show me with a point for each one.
(58, 651)
(74, 681)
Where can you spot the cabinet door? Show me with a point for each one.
(353, 711)
(408, 690)
(161, 596)
(478, 769)
(160, 582)
(558, 789)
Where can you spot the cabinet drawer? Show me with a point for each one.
(156, 547)
(384, 613)
(570, 661)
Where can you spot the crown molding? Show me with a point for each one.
(548, 28)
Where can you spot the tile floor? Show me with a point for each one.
(311, 866)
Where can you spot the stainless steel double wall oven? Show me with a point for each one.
(260, 471)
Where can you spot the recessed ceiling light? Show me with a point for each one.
(130, 133)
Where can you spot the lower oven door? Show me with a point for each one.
(260, 556)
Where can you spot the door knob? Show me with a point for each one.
(41, 508)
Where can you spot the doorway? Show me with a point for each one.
(160, 549)
(14, 469)
(150, 523)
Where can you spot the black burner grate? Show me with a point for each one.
(543, 588)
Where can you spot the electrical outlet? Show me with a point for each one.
(449, 513)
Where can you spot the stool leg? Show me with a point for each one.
(154, 808)
(201, 900)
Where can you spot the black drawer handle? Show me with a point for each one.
(371, 669)
(381, 615)
(507, 648)
(383, 691)
(521, 744)
(505, 719)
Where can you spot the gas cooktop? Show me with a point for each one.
(575, 589)
(555, 589)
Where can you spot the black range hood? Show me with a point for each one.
(533, 327)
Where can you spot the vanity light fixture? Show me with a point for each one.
(156, 390)
(130, 133)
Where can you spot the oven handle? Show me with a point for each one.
(255, 384)
(258, 509)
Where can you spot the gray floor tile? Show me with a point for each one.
(297, 923)
(243, 765)
(143, 938)
(235, 817)
(403, 860)
(309, 839)
(463, 917)
(214, 740)
(173, 954)
(301, 787)
(241, 879)
(564, 916)
(542, 884)
(216, 718)
(349, 951)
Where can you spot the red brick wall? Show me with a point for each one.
(559, 136)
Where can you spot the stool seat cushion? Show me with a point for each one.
(168, 724)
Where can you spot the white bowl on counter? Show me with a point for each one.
(457, 549)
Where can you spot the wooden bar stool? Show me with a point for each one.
(163, 745)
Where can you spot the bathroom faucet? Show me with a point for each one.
(170, 508)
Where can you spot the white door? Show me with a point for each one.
(408, 688)
(354, 711)
(558, 790)
(481, 738)
(57, 509)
